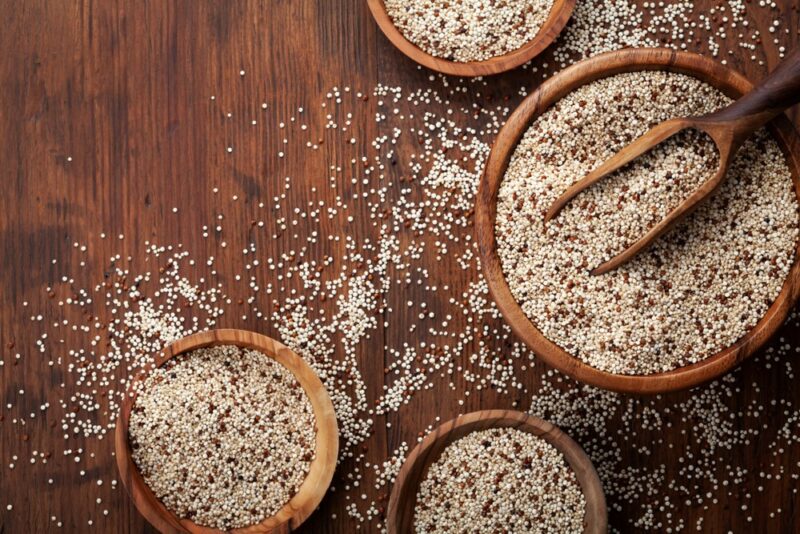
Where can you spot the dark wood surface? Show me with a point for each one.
(123, 89)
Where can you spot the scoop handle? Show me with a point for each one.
(779, 91)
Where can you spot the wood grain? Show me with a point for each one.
(552, 26)
(724, 79)
(400, 517)
(123, 89)
(320, 473)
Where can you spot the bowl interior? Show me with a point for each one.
(729, 82)
(400, 516)
(556, 20)
(321, 470)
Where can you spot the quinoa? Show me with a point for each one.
(223, 436)
(699, 288)
(500, 480)
(468, 30)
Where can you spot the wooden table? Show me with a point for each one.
(105, 125)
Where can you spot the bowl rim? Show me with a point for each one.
(320, 474)
(402, 501)
(604, 65)
(559, 15)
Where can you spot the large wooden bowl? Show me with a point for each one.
(729, 82)
(320, 472)
(400, 514)
(556, 20)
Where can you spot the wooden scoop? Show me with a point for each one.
(728, 128)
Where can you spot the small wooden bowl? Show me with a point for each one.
(320, 472)
(556, 20)
(402, 502)
(729, 82)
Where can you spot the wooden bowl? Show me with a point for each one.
(400, 514)
(729, 82)
(556, 20)
(320, 472)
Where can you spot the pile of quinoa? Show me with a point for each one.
(223, 436)
(500, 480)
(468, 30)
(698, 289)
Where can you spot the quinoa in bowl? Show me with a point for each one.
(500, 480)
(466, 31)
(698, 289)
(224, 436)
